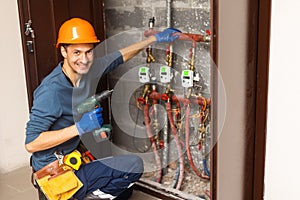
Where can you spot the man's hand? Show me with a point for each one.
(90, 121)
(167, 35)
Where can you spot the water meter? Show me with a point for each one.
(144, 75)
(187, 78)
(165, 74)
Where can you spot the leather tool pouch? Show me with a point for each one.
(58, 182)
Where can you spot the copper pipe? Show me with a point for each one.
(196, 100)
(187, 144)
(181, 159)
(150, 135)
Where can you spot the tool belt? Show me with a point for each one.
(58, 182)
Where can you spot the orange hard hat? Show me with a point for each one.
(76, 31)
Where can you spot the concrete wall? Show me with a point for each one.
(13, 103)
(187, 15)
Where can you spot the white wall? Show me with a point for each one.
(283, 134)
(13, 98)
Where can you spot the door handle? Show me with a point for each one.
(28, 29)
(29, 32)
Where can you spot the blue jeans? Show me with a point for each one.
(111, 175)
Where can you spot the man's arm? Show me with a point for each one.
(89, 121)
(49, 139)
(168, 35)
(132, 50)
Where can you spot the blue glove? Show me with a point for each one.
(90, 121)
(167, 35)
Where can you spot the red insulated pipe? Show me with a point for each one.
(150, 135)
(182, 36)
(181, 159)
(154, 96)
(200, 101)
(187, 144)
(178, 109)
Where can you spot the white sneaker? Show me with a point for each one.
(103, 195)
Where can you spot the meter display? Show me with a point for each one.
(187, 78)
(144, 75)
(165, 74)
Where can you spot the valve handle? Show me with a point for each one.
(164, 97)
(208, 32)
(141, 100)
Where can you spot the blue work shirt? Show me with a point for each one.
(54, 102)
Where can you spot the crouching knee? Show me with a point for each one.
(138, 164)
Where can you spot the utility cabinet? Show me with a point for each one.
(162, 107)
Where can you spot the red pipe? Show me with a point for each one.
(178, 110)
(187, 144)
(207, 192)
(150, 135)
(181, 159)
(196, 100)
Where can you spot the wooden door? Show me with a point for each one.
(39, 22)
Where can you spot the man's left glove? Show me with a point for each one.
(167, 35)
(90, 121)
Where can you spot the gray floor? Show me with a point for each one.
(16, 185)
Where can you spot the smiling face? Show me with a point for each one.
(78, 58)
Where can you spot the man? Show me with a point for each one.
(53, 126)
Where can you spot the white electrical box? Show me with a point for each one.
(165, 74)
(187, 78)
(144, 75)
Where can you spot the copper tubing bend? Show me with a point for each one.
(174, 131)
(150, 135)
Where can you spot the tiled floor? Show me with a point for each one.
(16, 185)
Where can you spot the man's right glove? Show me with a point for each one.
(90, 121)
(167, 35)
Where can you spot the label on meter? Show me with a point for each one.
(144, 75)
(165, 74)
(187, 78)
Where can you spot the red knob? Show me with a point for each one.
(208, 32)
(164, 97)
(161, 144)
(141, 100)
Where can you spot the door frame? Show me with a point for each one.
(262, 81)
(259, 20)
(259, 25)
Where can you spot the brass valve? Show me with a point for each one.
(169, 59)
(150, 57)
(202, 129)
(146, 92)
